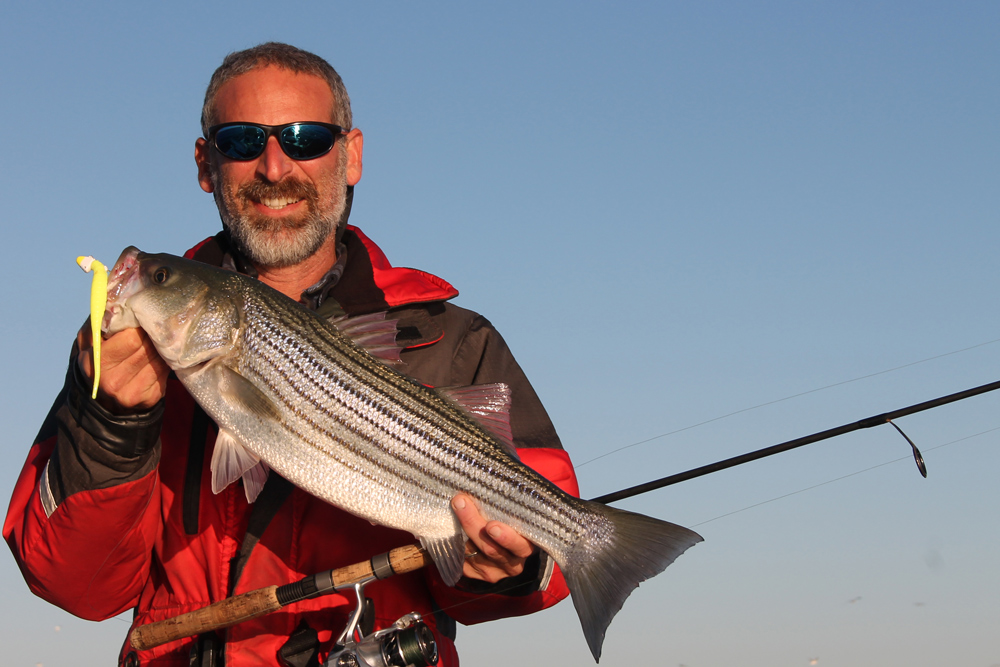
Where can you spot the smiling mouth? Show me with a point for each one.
(278, 203)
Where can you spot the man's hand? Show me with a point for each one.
(498, 550)
(133, 376)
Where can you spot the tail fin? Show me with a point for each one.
(600, 575)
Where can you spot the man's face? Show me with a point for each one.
(279, 210)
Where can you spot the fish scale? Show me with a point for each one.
(430, 450)
(289, 389)
(364, 414)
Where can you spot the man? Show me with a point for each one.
(114, 511)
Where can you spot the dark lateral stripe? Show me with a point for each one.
(332, 436)
(408, 476)
(447, 416)
(354, 390)
(403, 447)
(426, 456)
(501, 486)
(325, 452)
(396, 471)
(339, 345)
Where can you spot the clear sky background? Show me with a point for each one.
(673, 212)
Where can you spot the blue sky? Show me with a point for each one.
(672, 211)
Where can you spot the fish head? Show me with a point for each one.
(189, 310)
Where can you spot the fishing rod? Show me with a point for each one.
(876, 420)
(408, 633)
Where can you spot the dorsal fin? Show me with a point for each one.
(372, 332)
(489, 404)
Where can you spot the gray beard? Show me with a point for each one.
(279, 243)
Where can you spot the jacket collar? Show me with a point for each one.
(370, 283)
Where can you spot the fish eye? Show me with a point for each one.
(161, 275)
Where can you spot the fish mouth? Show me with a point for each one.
(122, 284)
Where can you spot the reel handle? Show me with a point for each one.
(263, 601)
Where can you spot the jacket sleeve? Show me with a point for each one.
(483, 357)
(84, 513)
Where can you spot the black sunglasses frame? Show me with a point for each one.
(275, 131)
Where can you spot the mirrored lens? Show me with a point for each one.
(304, 141)
(241, 142)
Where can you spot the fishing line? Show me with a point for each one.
(837, 479)
(786, 398)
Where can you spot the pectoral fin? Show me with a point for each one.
(243, 394)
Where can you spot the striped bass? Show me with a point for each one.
(293, 393)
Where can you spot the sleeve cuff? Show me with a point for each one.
(95, 449)
(127, 436)
(535, 577)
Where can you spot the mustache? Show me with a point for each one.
(289, 188)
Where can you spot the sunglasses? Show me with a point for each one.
(300, 141)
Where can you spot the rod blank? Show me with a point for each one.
(876, 420)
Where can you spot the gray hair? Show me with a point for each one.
(286, 57)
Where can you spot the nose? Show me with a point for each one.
(273, 165)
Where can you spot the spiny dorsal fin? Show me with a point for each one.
(489, 404)
(372, 332)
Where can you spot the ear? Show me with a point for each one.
(202, 153)
(355, 144)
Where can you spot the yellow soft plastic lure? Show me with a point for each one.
(98, 301)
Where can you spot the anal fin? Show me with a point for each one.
(448, 554)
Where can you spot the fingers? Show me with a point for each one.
(498, 551)
(133, 376)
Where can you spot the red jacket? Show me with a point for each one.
(111, 514)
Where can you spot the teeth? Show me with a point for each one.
(278, 203)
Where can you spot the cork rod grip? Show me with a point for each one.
(221, 614)
(401, 559)
(409, 558)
